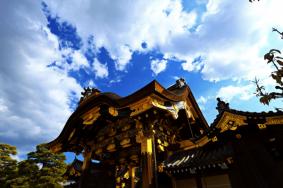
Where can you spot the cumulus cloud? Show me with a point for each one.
(3, 107)
(100, 70)
(158, 66)
(34, 98)
(193, 64)
(229, 37)
(122, 55)
(121, 27)
(115, 81)
(70, 59)
(91, 83)
(231, 92)
(201, 102)
(79, 61)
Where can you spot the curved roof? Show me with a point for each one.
(253, 115)
(172, 94)
(212, 148)
(176, 93)
(231, 120)
(199, 158)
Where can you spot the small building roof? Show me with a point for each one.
(213, 149)
(208, 157)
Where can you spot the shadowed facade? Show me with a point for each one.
(158, 137)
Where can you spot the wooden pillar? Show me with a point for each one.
(117, 178)
(147, 163)
(85, 168)
(132, 176)
(154, 163)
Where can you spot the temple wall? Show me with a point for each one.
(217, 181)
(220, 181)
(186, 183)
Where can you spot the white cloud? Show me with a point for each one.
(115, 81)
(204, 103)
(122, 55)
(188, 65)
(100, 70)
(3, 107)
(229, 36)
(121, 27)
(76, 57)
(79, 61)
(191, 65)
(202, 100)
(231, 92)
(176, 77)
(158, 66)
(91, 83)
(236, 64)
(35, 98)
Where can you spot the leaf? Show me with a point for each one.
(279, 62)
(274, 50)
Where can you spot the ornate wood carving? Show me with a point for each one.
(231, 121)
(141, 106)
(113, 111)
(91, 116)
(278, 120)
(261, 126)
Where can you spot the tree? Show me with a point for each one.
(26, 175)
(277, 61)
(41, 169)
(8, 165)
(52, 166)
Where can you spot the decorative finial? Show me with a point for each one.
(221, 105)
(181, 83)
(88, 92)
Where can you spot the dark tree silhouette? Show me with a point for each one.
(273, 56)
(280, 33)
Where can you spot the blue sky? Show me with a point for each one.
(51, 49)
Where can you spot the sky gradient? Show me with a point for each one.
(51, 49)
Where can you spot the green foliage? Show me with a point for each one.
(52, 167)
(42, 169)
(26, 177)
(8, 165)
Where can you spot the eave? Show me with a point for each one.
(90, 108)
